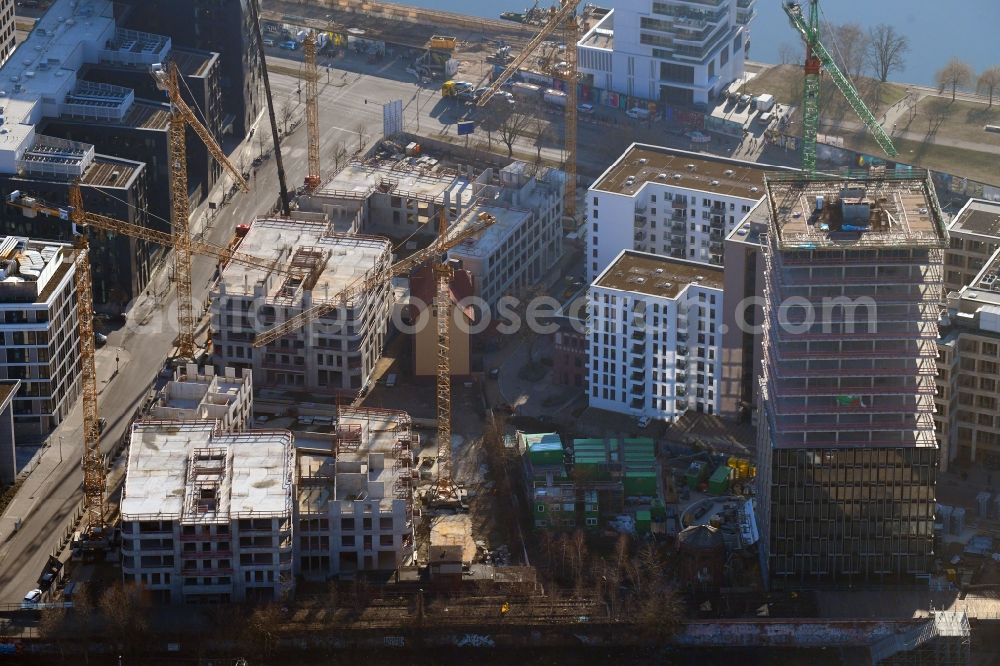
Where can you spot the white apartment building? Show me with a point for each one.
(355, 494)
(196, 394)
(38, 331)
(656, 336)
(6, 29)
(206, 516)
(974, 235)
(680, 52)
(335, 353)
(669, 202)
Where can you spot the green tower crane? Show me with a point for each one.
(818, 57)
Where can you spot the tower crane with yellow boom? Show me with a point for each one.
(445, 492)
(313, 174)
(563, 17)
(94, 472)
(182, 117)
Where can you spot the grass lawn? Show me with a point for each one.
(956, 120)
(975, 165)
(785, 83)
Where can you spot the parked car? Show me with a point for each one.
(585, 108)
(643, 421)
(494, 373)
(638, 114)
(289, 45)
(31, 599)
(699, 137)
(268, 41)
(100, 339)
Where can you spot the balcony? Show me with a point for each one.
(640, 221)
(638, 349)
(195, 571)
(682, 350)
(681, 338)
(681, 364)
(680, 377)
(640, 235)
(677, 242)
(679, 204)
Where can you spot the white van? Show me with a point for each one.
(638, 114)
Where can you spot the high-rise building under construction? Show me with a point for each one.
(848, 458)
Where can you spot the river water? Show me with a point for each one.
(937, 29)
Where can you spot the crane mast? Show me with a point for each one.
(818, 58)
(94, 475)
(313, 174)
(569, 167)
(442, 306)
(563, 17)
(182, 117)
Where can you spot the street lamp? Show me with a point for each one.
(117, 359)
(60, 448)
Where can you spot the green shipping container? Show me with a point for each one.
(718, 484)
(695, 474)
(642, 521)
(544, 448)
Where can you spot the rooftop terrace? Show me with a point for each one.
(680, 168)
(655, 275)
(978, 216)
(863, 209)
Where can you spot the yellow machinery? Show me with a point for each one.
(94, 473)
(563, 17)
(182, 117)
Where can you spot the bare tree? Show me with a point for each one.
(513, 127)
(849, 48)
(887, 51)
(123, 609)
(956, 74)
(285, 113)
(261, 628)
(988, 82)
(790, 54)
(360, 129)
(339, 155)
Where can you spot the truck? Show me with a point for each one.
(522, 90)
(454, 88)
(555, 98)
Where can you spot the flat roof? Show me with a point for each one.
(508, 219)
(656, 275)
(602, 34)
(33, 268)
(681, 168)
(978, 216)
(246, 474)
(192, 62)
(331, 261)
(753, 227)
(985, 287)
(423, 178)
(862, 209)
(108, 171)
